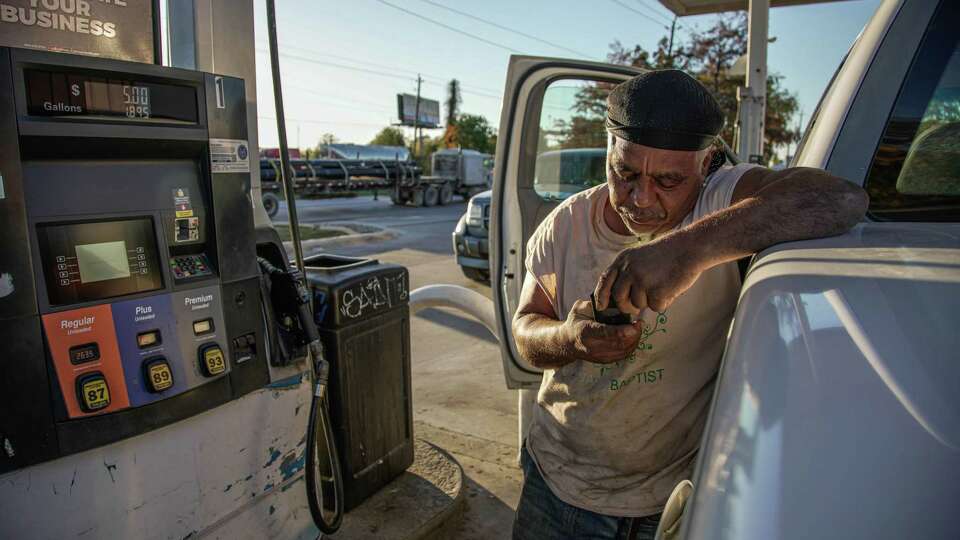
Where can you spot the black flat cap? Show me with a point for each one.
(664, 109)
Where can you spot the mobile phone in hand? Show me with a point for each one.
(611, 315)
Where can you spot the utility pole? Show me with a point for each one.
(673, 29)
(416, 120)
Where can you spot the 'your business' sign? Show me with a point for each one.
(121, 29)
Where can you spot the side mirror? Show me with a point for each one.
(669, 527)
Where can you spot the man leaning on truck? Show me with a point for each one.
(621, 408)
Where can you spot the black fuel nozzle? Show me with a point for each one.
(321, 367)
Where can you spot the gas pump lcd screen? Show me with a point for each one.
(97, 260)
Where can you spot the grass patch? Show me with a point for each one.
(307, 233)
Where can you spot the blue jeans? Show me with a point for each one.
(542, 516)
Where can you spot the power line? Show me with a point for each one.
(437, 79)
(448, 27)
(341, 66)
(654, 12)
(402, 69)
(375, 72)
(640, 13)
(322, 122)
(501, 27)
(379, 110)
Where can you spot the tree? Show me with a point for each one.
(328, 138)
(475, 133)
(389, 136)
(708, 56)
(453, 111)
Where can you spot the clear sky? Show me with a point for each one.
(343, 62)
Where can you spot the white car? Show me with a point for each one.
(836, 412)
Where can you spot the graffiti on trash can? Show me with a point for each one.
(373, 294)
(398, 284)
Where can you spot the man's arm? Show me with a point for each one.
(549, 343)
(768, 207)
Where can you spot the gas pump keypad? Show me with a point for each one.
(189, 266)
(157, 374)
(93, 393)
(212, 361)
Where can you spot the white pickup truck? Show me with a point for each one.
(836, 412)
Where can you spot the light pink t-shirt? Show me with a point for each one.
(616, 438)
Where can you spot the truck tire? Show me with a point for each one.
(395, 200)
(431, 196)
(416, 197)
(446, 194)
(271, 203)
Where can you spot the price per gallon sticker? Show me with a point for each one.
(229, 156)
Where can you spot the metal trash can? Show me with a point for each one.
(361, 310)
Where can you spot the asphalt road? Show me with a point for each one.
(460, 400)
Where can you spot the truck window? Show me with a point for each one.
(571, 140)
(915, 174)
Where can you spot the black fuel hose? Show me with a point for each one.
(318, 424)
(319, 421)
(319, 427)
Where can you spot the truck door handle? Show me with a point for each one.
(508, 275)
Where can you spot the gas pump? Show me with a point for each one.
(132, 307)
(131, 243)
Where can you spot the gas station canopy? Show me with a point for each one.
(682, 8)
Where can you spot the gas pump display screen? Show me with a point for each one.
(97, 260)
(71, 94)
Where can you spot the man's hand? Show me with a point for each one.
(652, 275)
(767, 208)
(591, 341)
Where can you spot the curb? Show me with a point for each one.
(426, 502)
(442, 525)
(353, 237)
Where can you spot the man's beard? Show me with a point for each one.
(642, 222)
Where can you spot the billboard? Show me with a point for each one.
(407, 110)
(120, 29)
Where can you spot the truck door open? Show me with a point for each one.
(552, 144)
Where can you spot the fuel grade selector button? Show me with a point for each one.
(157, 374)
(148, 339)
(93, 392)
(202, 327)
(212, 361)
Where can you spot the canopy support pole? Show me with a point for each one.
(752, 98)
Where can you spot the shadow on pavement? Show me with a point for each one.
(485, 516)
(455, 321)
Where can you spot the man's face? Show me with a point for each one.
(652, 190)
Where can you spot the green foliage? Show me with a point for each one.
(389, 136)
(708, 56)
(475, 133)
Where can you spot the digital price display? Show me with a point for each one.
(52, 93)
